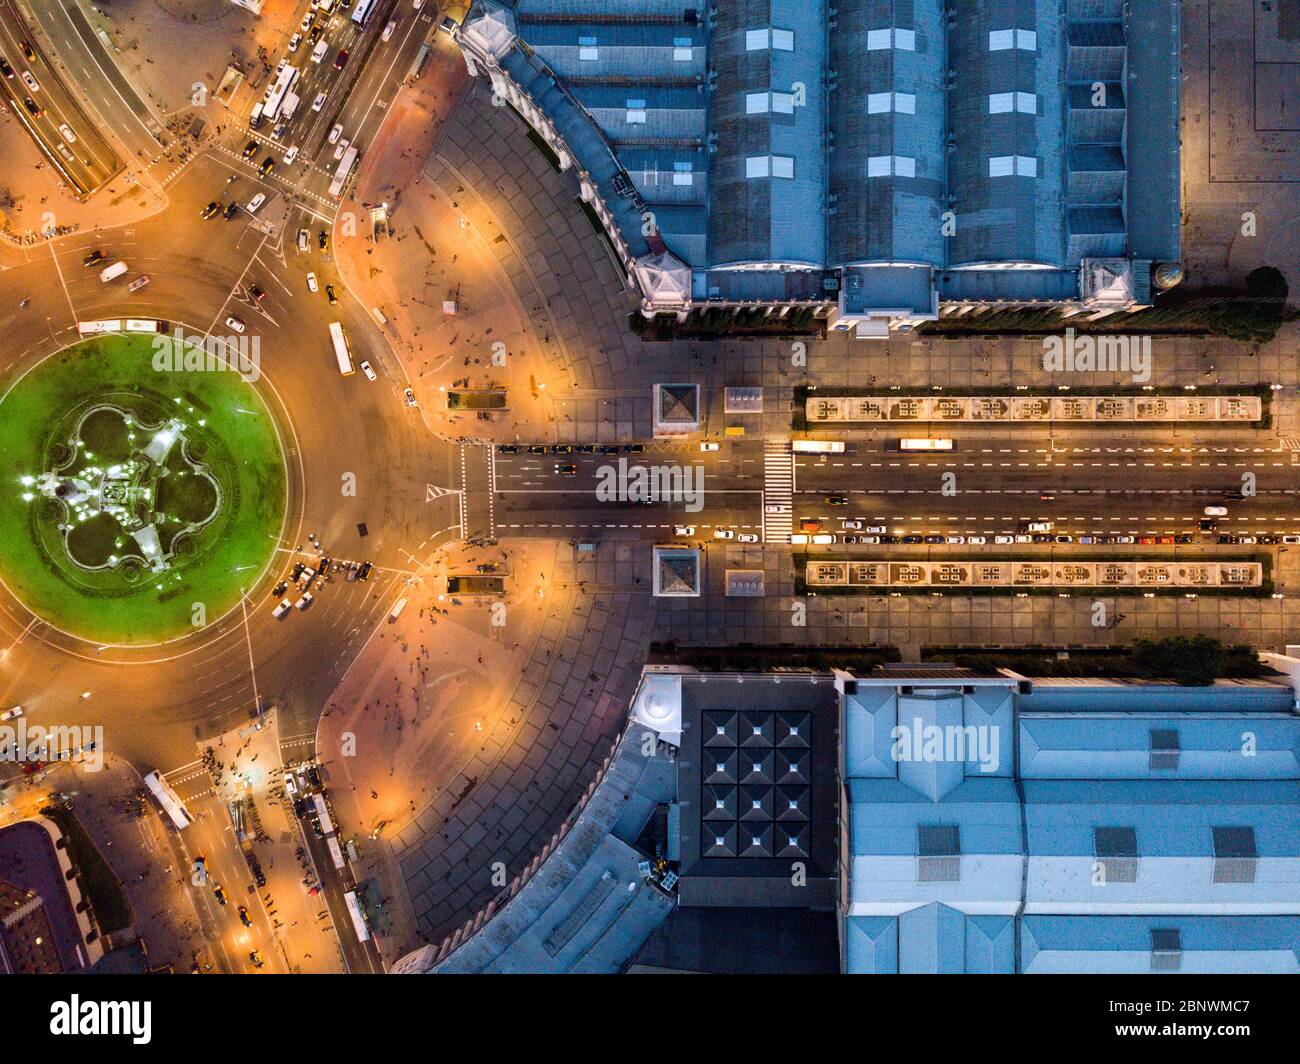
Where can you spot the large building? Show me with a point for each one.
(919, 818)
(883, 162)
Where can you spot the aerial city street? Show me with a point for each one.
(562, 486)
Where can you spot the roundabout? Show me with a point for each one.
(140, 496)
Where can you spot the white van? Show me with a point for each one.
(318, 53)
(116, 270)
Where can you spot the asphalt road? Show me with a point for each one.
(66, 136)
(991, 484)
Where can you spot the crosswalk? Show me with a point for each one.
(1290, 443)
(778, 491)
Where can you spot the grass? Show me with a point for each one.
(233, 433)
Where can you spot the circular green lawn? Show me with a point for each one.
(135, 502)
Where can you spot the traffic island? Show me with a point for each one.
(138, 501)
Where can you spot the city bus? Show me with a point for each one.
(341, 351)
(336, 855)
(169, 800)
(362, 11)
(88, 328)
(924, 443)
(817, 447)
(322, 814)
(358, 917)
(143, 325)
(344, 170)
(276, 93)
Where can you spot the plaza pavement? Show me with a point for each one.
(547, 719)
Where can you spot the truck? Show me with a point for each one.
(396, 611)
(289, 105)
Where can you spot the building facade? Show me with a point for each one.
(884, 163)
(919, 818)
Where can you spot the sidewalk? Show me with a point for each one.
(436, 255)
(428, 693)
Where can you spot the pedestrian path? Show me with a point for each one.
(778, 491)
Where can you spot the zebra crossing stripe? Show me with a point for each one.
(778, 492)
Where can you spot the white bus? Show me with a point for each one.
(817, 447)
(276, 93)
(358, 917)
(322, 814)
(87, 328)
(143, 325)
(169, 800)
(341, 351)
(336, 855)
(362, 11)
(344, 170)
(924, 443)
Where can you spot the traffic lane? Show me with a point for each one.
(1270, 511)
(94, 72)
(361, 112)
(358, 956)
(227, 866)
(93, 160)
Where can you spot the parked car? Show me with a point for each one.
(723, 533)
(368, 370)
(683, 530)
